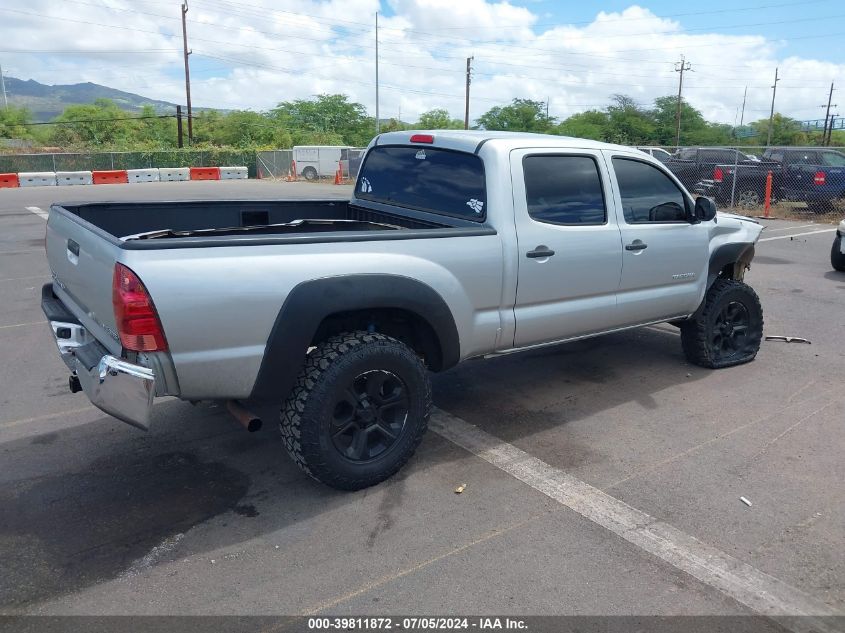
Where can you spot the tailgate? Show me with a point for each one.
(82, 265)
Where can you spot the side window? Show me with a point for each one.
(563, 189)
(648, 195)
(687, 154)
(778, 156)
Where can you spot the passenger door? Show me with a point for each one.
(569, 249)
(665, 257)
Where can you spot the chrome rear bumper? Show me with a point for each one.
(120, 388)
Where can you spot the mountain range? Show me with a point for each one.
(46, 102)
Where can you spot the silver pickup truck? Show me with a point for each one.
(455, 245)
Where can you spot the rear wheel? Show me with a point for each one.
(310, 173)
(358, 411)
(728, 327)
(748, 198)
(837, 259)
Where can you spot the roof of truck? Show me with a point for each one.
(472, 140)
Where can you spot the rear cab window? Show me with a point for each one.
(564, 189)
(423, 178)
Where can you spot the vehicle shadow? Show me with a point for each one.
(99, 501)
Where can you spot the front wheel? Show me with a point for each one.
(727, 329)
(358, 411)
(837, 258)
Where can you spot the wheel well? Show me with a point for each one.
(403, 325)
(736, 270)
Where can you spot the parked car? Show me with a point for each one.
(454, 245)
(693, 164)
(658, 152)
(837, 251)
(814, 176)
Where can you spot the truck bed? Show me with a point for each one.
(141, 225)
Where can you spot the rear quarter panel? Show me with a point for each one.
(218, 304)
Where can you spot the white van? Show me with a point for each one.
(317, 161)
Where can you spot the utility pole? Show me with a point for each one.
(827, 114)
(833, 116)
(378, 123)
(547, 108)
(187, 72)
(3, 83)
(466, 100)
(772, 113)
(179, 140)
(742, 116)
(680, 67)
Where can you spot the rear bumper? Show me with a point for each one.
(120, 388)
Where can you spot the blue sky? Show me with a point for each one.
(252, 54)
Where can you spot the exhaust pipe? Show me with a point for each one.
(247, 419)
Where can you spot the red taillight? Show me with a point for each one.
(137, 321)
(819, 178)
(717, 174)
(422, 138)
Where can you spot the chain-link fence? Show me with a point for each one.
(789, 181)
(85, 161)
(310, 162)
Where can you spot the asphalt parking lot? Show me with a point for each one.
(199, 517)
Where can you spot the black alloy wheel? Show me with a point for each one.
(369, 415)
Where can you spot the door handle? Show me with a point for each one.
(539, 252)
(636, 245)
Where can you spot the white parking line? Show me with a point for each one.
(41, 213)
(753, 588)
(5, 327)
(786, 237)
(788, 228)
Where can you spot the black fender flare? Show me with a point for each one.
(728, 254)
(312, 301)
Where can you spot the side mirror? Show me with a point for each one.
(705, 209)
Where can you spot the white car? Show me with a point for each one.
(837, 253)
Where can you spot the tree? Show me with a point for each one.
(591, 124)
(695, 130)
(12, 123)
(99, 124)
(326, 116)
(438, 119)
(628, 123)
(785, 131)
(522, 115)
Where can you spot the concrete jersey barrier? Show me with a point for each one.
(233, 173)
(142, 175)
(74, 178)
(173, 174)
(37, 178)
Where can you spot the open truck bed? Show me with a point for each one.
(153, 225)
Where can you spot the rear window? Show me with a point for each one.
(425, 178)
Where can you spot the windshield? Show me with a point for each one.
(425, 178)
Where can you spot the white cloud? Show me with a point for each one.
(251, 56)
